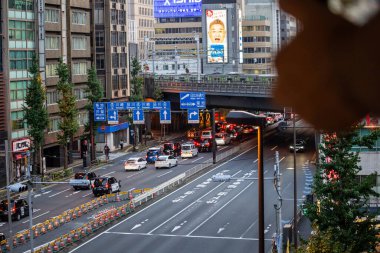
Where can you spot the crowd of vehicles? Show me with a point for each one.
(19, 209)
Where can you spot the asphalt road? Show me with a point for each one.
(207, 216)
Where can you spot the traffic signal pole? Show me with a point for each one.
(213, 136)
(30, 190)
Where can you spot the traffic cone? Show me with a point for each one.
(106, 200)
(117, 197)
(50, 226)
(76, 237)
(62, 220)
(79, 213)
(74, 216)
(36, 234)
(43, 230)
(68, 218)
(14, 242)
(130, 195)
(55, 247)
(49, 249)
(123, 211)
(22, 239)
(62, 244)
(69, 239)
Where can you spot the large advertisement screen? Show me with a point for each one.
(177, 8)
(217, 50)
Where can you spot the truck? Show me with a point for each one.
(82, 180)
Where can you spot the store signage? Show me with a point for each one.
(20, 145)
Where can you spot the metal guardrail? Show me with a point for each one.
(244, 89)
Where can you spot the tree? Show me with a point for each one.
(67, 109)
(94, 92)
(157, 93)
(136, 82)
(36, 115)
(342, 199)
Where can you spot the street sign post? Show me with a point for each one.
(190, 100)
(165, 116)
(100, 112)
(193, 116)
(113, 117)
(138, 116)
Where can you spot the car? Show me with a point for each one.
(105, 185)
(19, 207)
(153, 154)
(135, 163)
(82, 180)
(165, 161)
(237, 133)
(248, 129)
(206, 134)
(173, 149)
(300, 146)
(222, 139)
(189, 150)
(206, 145)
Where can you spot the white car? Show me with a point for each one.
(135, 163)
(189, 150)
(206, 134)
(165, 161)
(222, 139)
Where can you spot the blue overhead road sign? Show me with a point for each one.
(165, 116)
(113, 117)
(189, 100)
(100, 112)
(193, 116)
(138, 116)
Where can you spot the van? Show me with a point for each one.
(206, 134)
(189, 150)
(153, 154)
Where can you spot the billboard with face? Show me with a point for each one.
(177, 8)
(216, 25)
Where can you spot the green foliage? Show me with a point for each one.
(94, 92)
(36, 115)
(157, 94)
(136, 82)
(67, 105)
(341, 198)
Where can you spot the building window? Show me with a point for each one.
(51, 15)
(21, 30)
(18, 120)
(52, 97)
(123, 60)
(115, 82)
(51, 70)
(99, 19)
(80, 68)
(23, 5)
(79, 43)
(20, 60)
(114, 17)
(124, 81)
(114, 38)
(122, 39)
(54, 124)
(99, 39)
(52, 42)
(18, 90)
(80, 93)
(83, 118)
(115, 60)
(100, 61)
(79, 17)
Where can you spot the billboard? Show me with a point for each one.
(177, 8)
(216, 25)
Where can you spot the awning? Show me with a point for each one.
(113, 128)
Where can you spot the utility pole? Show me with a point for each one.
(196, 36)
(295, 183)
(260, 172)
(213, 136)
(278, 207)
(9, 197)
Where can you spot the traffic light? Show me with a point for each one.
(18, 187)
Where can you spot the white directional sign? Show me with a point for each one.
(138, 117)
(165, 116)
(193, 116)
(113, 117)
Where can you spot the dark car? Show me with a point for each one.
(19, 207)
(300, 146)
(82, 180)
(105, 185)
(153, 154)
(206, 145)
(173, 149)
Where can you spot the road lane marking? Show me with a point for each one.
(76, 192)
(37, 195)
(55, 194)
(162, 199)
(86, 195)
(246, 231)
(197, 159)
(109, 173)
(273, 148)
(135, 174)
(255, 161)
(131, 189)
(282, 159)
(184, 236)
(165, 173)
(35, 217)
(47, 192)
(217, 211)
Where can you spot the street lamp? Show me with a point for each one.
(246, 118)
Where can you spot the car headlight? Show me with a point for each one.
(302, 147)
(291, 147)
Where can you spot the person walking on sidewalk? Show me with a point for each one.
(107, 152)
(121, 144)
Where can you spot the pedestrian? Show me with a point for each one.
(121, 144)
(107, 151)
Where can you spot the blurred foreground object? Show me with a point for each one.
(328, 73)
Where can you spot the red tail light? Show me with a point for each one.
(92, 186)
(14, 210)
(107, 185)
